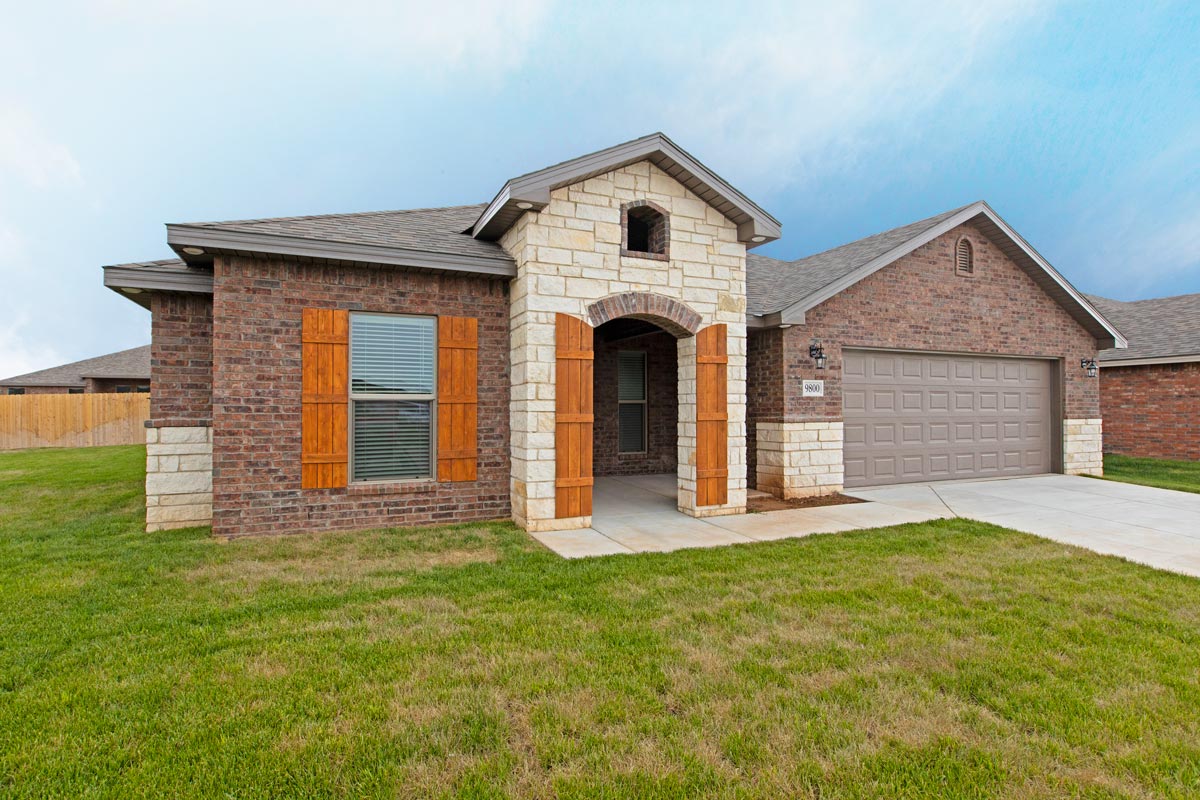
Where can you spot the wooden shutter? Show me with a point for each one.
(325, 367)
(712, 417)
(573, 418)
(458, 398)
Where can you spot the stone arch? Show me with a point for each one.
(670, 315)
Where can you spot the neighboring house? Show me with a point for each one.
(124, 371)
(1150, 391)
(597, 317)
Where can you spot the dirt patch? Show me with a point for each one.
(757, 503)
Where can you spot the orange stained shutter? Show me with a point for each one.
(573, 418)
(325, 368)
(458, 398)
(712, 417)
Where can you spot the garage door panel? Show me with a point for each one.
(922, 417)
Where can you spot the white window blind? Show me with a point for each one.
(392, 366)
(631, 402)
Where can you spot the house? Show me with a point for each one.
(1149, 391)
(123, 371)
(600, 316)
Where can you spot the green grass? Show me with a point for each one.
(1183, 476)
(949, 659)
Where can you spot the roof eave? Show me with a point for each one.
(1106, 334)
(137, 283)
(1147, 361)
(532, 192)
(215, 240)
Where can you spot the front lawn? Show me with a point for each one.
(949, 659)
(1183, 476)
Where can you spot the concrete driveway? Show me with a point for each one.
(1157, 527)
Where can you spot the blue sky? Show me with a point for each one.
(1079, 123)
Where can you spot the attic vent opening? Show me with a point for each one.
(964, 258)
(646, 230)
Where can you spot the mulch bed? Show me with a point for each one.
(757, 503)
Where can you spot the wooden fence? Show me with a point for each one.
(72, 420)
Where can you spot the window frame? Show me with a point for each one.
(352, 397)
(644, 403)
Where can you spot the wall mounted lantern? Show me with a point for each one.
(1088, 365)
(817, 353)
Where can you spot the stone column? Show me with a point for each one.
(799, 459)
(1083, 452)
(178, 477)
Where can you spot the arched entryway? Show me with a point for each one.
(641, 400)
(635, 451)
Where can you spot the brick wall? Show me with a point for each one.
(181, 366)
(1152, 411)
(764, 389)
(661, 407)
(256, 397)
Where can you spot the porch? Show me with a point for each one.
(637, 513)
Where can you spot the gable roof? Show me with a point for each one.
(780, 292)
(1161, 330)
(422, 238)
(132, 363)
(532, 190)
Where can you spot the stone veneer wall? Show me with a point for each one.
(799, 459)
(178, 477)
(568, 256)
(1082, 447)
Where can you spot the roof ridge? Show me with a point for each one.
(302, 217)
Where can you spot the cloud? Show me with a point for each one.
(1137, 233)
(450, 35)
(29, 154)
(18, 353)
(805, 90)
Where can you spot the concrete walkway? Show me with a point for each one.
(1157, 527)
(638, 514)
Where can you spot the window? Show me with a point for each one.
(16, 390)
(391, 397)
(964, 257)
(631, 402)
(646, 230)
(75, 390)
(123, 389)
(143, 389)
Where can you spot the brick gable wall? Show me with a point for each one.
(257, 391)
(1152, 411)
(916, 303)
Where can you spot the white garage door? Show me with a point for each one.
(926, 416)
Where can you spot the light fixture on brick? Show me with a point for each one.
(1088, 365)
(817, 353)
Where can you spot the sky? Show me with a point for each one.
(1079, 122)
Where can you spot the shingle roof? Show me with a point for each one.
(163, 264)
(1158, 328)
(434, 230)
(773, 285)
(133, 363)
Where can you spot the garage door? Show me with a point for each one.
(927, 417)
